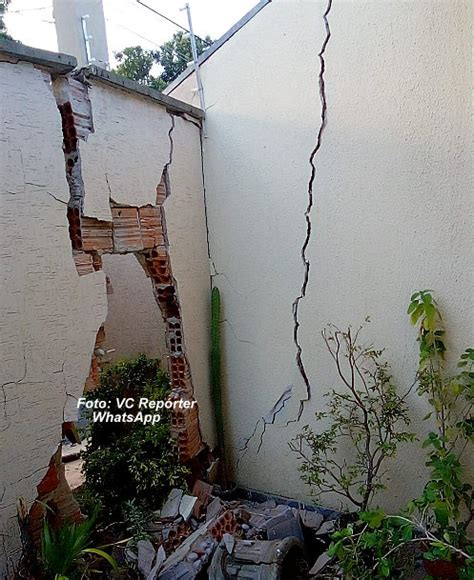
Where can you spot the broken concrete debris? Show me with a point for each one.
(198, 533)
(186, 506)
(171, 508)
(259, 560)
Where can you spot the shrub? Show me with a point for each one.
(367, 412)
(376, 545)
(131, 462)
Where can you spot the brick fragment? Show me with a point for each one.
(74, 221)
(126, 230)
(162, 190)
(96, 235)
(84, 264)
(226, 523)
(150, 226)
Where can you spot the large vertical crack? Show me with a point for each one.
(281, 402)
(307, 215)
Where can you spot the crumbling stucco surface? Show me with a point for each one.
(186, 224)
(392, 204)
(49, 314)
(111, 170)
(123, 159)
(53, 293)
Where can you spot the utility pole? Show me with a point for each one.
(195, 58)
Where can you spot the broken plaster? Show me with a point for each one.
(307, 215)
(284, 398)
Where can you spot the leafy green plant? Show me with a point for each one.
(435, 524)
(64, 552)
(126, 462)
(368, 548)
(445, 506)
(367, 412)
(378, 546)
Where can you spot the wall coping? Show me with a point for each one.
(117, 81)
(56, 62)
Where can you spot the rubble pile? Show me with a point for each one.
(203, 536)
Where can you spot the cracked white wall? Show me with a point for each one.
(49, 315)
(393, 203)
(123, 160)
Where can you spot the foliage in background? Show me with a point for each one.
(436, 523)
(136, 63)
(126, 462)
(367, 414)
(67, 552)
(3, 29)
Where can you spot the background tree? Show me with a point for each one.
(175, 54)
(3, 28)
(135, 63)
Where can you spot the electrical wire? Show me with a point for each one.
(19, 10)
(132, 32)
(206, 42)
(185, 57)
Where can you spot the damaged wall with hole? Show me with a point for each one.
(89, 168)
(392, 206)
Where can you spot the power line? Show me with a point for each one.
(133, 32)
(19, 10)
(207, 43)
(185, 57)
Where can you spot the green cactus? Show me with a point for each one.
(216, 367)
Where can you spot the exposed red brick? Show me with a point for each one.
(161, 190)
(54, 492)
(93, 378)
(96, 235)
(150, 225)
(96, 261)
(74, 221)
(158, 266)
(84, 263)
(126, 230)
(180, 373)
(227, 522)
(100, 338)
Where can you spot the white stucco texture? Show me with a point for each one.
(49, 315)
(186, 225)
(134, 323)
(123, 160)
(392, 205)
(124, 157)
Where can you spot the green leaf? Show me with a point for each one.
(104, 555)
(384, 568)
(374, 519)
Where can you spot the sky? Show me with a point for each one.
(128, 23)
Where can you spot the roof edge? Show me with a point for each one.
(56, 62)
(117, 81)
(217, 44)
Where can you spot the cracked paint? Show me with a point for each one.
(307, 215)
(42, 297)
(54, 305)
